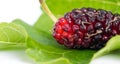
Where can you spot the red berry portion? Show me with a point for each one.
(86, 28)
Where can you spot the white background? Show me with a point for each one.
(29, 11)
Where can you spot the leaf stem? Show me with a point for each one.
(47, 10)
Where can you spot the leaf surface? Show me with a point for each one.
(12, 36)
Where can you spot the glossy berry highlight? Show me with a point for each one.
(86, 28)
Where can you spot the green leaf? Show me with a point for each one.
(45, 50)
(52, 55)
(12, 36)
(60, 7)
(112, 45)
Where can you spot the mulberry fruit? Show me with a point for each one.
(86, 28)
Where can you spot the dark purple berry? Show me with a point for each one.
(86, 28)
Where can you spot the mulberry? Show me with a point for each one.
(86, 28)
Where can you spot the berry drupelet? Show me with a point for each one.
(86, 28)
